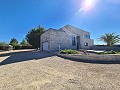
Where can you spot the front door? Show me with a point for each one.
(78, 42)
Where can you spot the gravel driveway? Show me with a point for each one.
(34, 70)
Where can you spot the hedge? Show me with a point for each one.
(18, 47)
(23, 47)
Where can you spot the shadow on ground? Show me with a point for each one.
(11, 53)
(24, 56)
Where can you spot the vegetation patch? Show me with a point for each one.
(109, 52)
(69, 51)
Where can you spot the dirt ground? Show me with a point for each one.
(34, 70)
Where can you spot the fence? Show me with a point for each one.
(104, 47)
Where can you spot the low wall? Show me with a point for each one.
(103, 47)
(93, 58)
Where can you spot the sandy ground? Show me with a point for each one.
(43, 71)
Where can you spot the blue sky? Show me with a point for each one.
(17, 17)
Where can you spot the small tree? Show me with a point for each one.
(14, 42)
(3, 43)
(110, 38)
(33, 36)
(24, 42)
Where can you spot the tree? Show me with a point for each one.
(33, 36)
(3, 43)
(110, 38)
(24, 42)
(14, 42)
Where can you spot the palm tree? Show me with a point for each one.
(110, 38)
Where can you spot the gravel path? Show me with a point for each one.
(44, 71)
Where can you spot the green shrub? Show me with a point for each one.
(101, 53)
(112, 52)
(109, 52)
(118, 52)
(23, 47)
(69, 51)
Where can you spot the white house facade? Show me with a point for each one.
(67, 37)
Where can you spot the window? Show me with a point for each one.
(87, 36)
(86, 44)
(73, 41)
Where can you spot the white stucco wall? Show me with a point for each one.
(63, 37)
(56, 38)
(80, 33)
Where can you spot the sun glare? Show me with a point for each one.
(88, 4)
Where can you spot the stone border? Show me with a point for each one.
(101, 59)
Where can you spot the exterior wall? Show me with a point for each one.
(81, 33)
(45, 37)
(104, 47)
(63, 37)
(56, 38)
(101, 59)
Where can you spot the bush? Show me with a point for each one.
(69, 51)
(23, 47)
(109, 52)
(101, 53)
(8, 47)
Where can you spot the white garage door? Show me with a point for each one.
(45, 46)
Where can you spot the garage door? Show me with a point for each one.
(45, 46)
